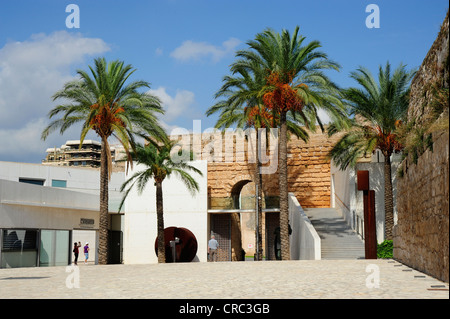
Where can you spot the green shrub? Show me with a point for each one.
(385, 249)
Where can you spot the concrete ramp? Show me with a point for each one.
(338, 240)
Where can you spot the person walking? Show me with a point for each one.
(86, 253)
(213, 245)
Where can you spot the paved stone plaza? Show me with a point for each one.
(328, 279)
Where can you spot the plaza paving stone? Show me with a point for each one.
(327, 279)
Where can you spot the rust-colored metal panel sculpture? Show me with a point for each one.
(179, 243)
(370, 232)
(362, 178)
(370, 237)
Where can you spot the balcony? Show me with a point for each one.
(83, 158)
(83, 150)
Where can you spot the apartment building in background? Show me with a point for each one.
(86, 155)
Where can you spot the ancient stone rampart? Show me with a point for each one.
(421, 235)
(231, 165)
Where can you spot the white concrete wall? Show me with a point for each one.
(304, 240)
(349, 201)
(78, 179)
(376, 183)
(84, 236)
(343, 195)
(181, 209)
(24, 205)
(31, 206)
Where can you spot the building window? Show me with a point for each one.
(19, 248)
(54, 248)
(32, 181)
(59, 183)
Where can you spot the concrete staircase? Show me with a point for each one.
(338, 240)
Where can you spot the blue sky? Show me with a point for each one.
(183, 48)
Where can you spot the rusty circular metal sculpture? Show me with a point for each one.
(185, 247)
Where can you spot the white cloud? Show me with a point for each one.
(324, 117)
(191, 50)
(180, 104)
(31, 72)
(14, 140)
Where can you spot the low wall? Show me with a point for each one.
(304, 240)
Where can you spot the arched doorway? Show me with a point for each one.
(234, 227)
(241, 194)
(244, 199)
(226, 224)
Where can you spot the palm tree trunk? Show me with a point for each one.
(160, 222)
(104, 215)
(258, 198)
(388, 198)
(283, 185)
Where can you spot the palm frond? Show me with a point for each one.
(377, 108)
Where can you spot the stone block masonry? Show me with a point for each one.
(308, 170)
(421, 236)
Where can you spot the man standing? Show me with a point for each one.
(213, 245)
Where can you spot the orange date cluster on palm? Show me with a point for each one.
(260, 116)
(387, 141)
(105, 117)
(282, 97)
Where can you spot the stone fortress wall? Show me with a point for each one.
(231, 168)
(421, 236)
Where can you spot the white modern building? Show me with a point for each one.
(181, 209)
(346, 198)
(38, 224)
(45, 209)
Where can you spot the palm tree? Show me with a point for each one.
(294, 80)
(379, 109)
(159, 165)
(240, 91)
(242, 105)
(102, 102)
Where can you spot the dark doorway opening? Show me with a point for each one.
(115, 247)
